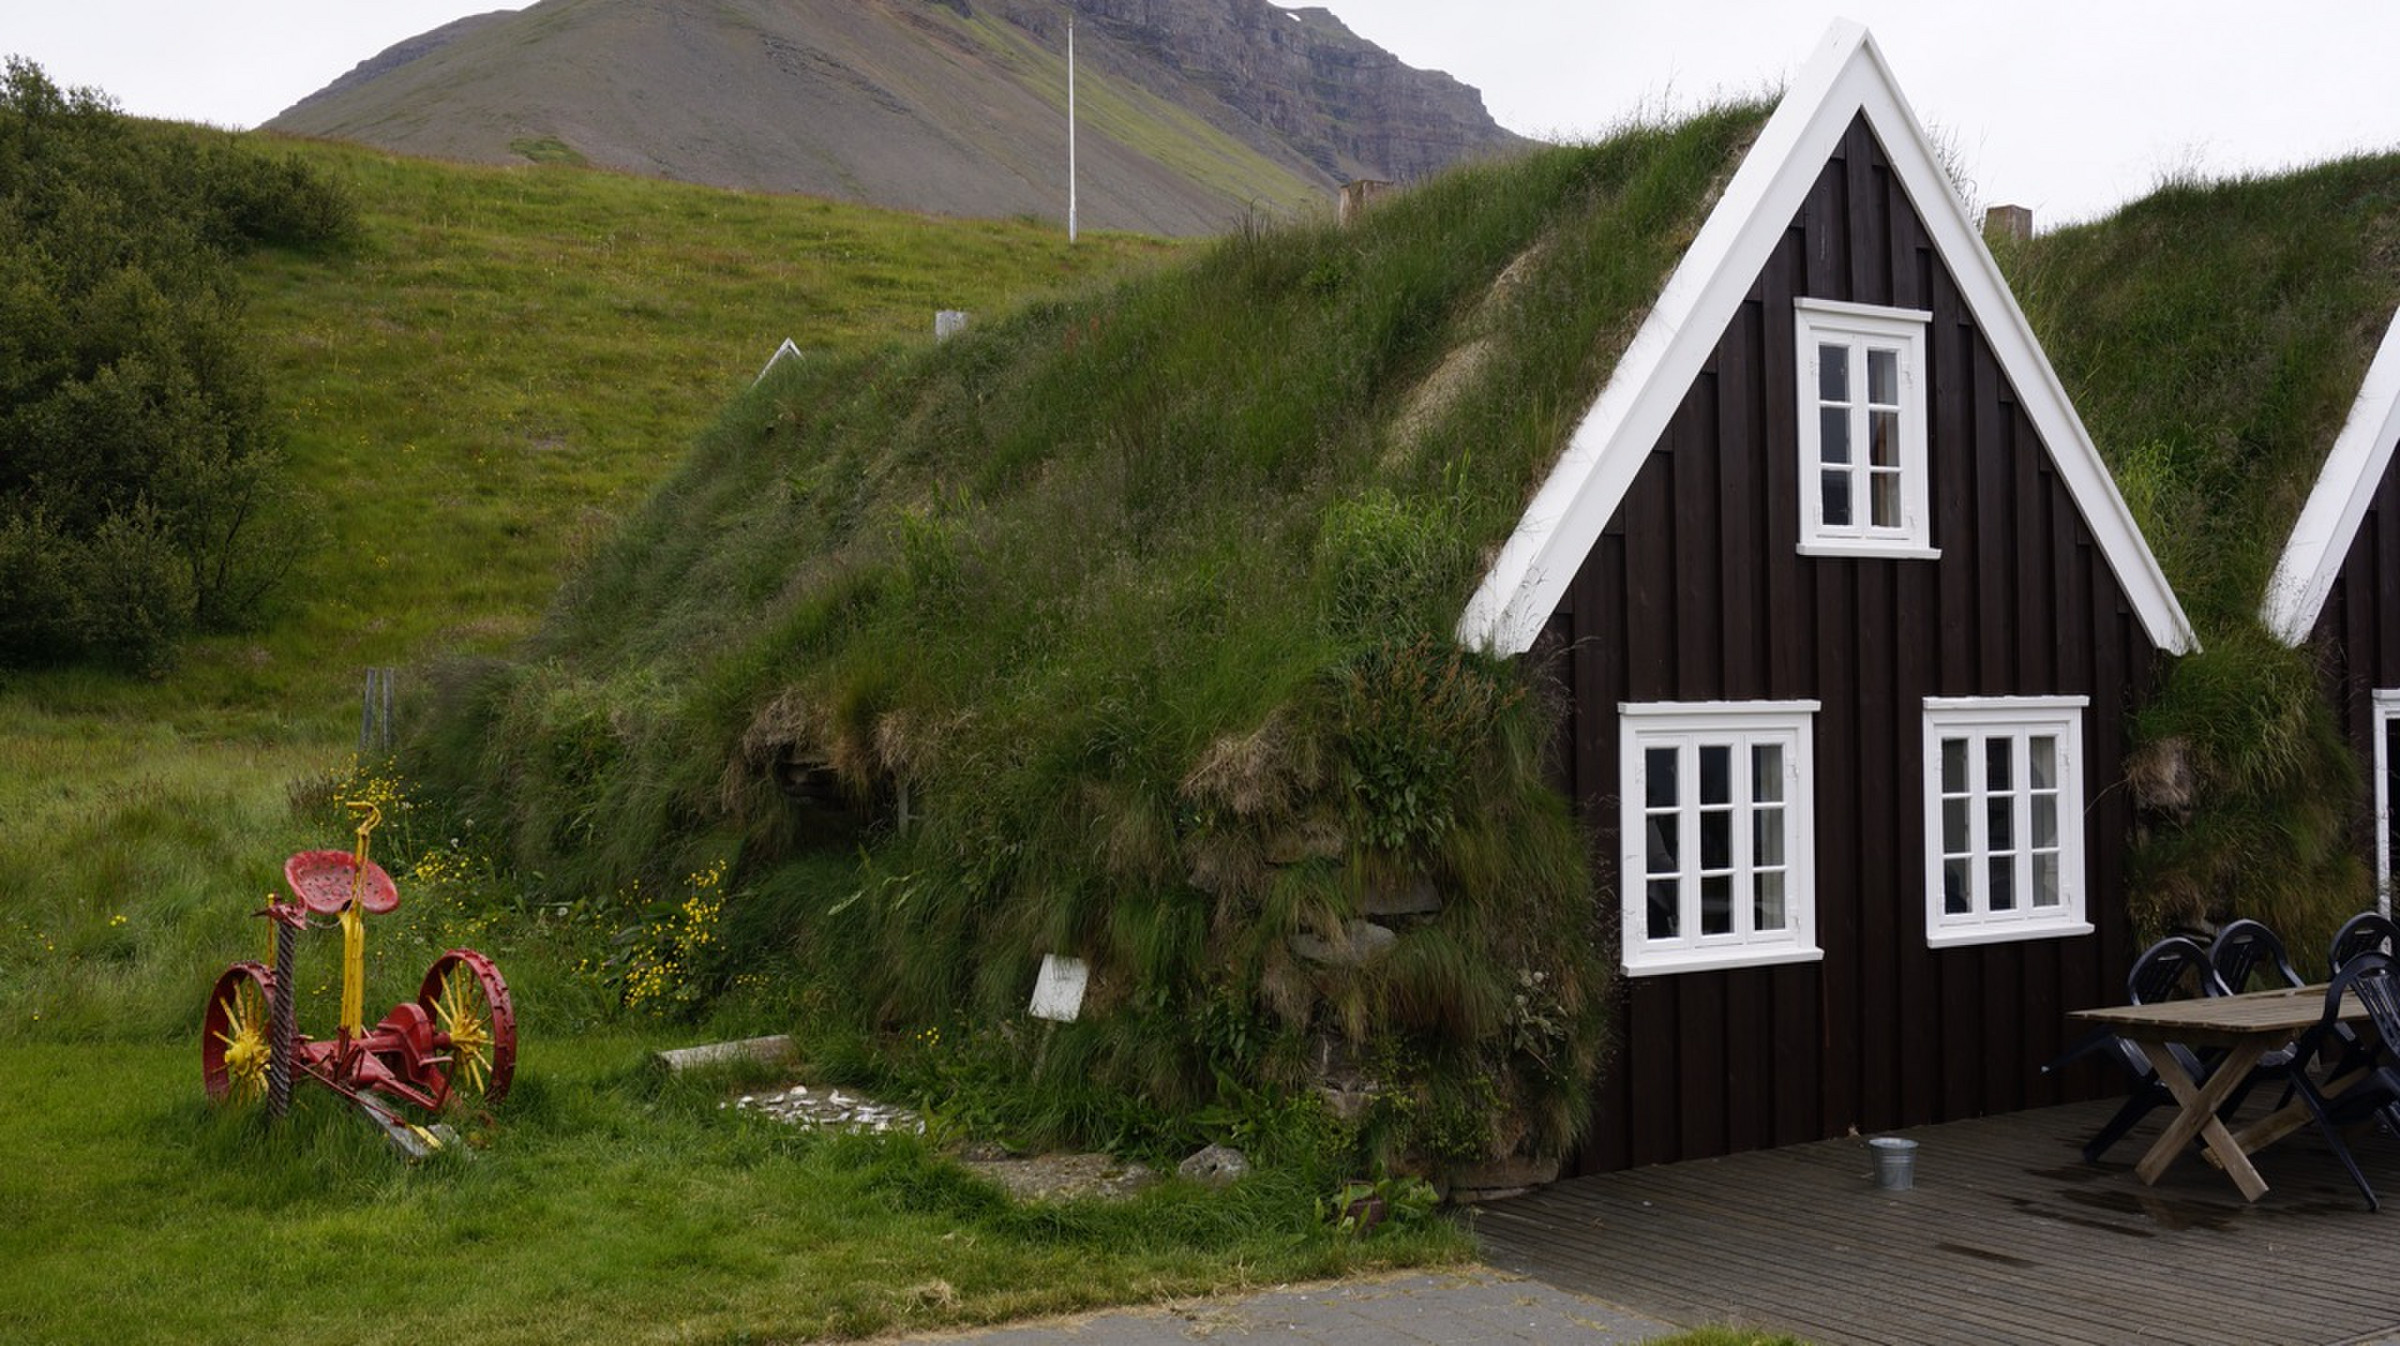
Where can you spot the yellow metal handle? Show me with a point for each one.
(354, 926)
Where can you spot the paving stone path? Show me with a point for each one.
(1446, 1308)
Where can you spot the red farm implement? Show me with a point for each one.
(456, 1041)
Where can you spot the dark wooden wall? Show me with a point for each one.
(1696, 592)
(2357, 635)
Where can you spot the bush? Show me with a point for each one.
(141, 491)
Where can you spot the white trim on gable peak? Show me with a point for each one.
(2338, 503)
(1846, 78)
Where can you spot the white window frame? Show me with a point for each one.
(2386, 710)
(1743, 725)
(1861, 329)
(2017, 719)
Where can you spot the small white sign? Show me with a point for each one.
(786, 351)
(1058, 992)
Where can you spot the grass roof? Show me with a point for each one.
(1137, 606)
(2213, 336)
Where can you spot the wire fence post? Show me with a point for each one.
(375, 711)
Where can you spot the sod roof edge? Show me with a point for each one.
(2337, 504)
(1846, 78)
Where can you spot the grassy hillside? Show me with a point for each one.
(1126, 622)
(2213, 336)
(511, 361)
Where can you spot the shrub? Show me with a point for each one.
(134, 435)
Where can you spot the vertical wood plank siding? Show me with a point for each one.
(2357, 636)
(1696, 591)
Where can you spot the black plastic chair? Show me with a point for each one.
(2174, 968)
(2376, 1095)
(2246, 949)
(2243, 951)
(2367, 932)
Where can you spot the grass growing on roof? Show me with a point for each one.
(1142, 601)
(2213, 337)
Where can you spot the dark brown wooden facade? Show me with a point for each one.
(1696, 592)
(2357, 634)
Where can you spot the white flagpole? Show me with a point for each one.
(1070, 123)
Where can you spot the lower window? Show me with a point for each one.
(1718, 829)
(2003, 819)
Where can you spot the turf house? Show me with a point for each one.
(1854, 620)
(1625, 652)
(2336, 591)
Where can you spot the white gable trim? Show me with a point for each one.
(1846, 77)
(2329, 521)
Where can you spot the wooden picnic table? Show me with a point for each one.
(2247, 1027)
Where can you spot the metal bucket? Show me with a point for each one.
(1895, 1163)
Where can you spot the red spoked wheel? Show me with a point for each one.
(237, 1038)
(474, 1022)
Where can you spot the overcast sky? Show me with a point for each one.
(2067, 106)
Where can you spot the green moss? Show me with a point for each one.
(548, 150)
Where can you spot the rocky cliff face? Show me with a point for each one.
(1344, 104)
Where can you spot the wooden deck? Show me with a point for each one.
(2008, 1237)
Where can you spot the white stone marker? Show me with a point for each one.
(1058, 992)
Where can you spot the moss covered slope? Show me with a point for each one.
(1127, 619)
(2213, 336)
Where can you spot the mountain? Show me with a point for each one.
(1190, 113)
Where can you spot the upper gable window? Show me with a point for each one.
(1862, 430)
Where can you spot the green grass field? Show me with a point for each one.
(511, 360)
(604, 1205)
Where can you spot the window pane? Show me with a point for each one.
(1957, 881)
(2045, 881)
(2045, 820)
(1884, 499)
(2000, 816)
(1837, 499)
(1659, 765)
(1833, 373)
(1716, 839)
(1996, 763)
(1766, 773)
(1665, 843)
(1883, 377)
(1666, 909)
(1833, 435)
(2003, 891)
(2042, 749)
(1716, 773)
(1883, 438)
(1766, 838)
(1770, 913)
(1956, 839)
(1954, 766)
(1716, 905)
